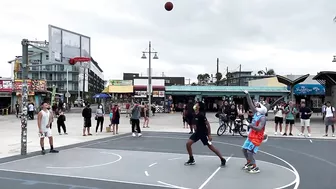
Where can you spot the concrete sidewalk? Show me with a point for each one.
(10, 130)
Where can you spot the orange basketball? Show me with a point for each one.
(169, 6)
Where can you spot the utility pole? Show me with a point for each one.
(188, 81)
(227, 76)
(217, 71)
(239, 74)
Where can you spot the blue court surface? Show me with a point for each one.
(156, 160)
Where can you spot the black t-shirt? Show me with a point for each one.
(190, 109)
(303, 112)
(200, 122)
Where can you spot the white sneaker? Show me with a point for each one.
(301, 134)
(308, 135)
(333, 135)
(133, 135)
(275, 133)
(139, 134)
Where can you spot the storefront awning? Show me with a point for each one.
(120, 89)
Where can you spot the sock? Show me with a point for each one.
(51, 147)
(42, 148)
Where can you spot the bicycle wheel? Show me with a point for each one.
(221, 129)
(243, 130)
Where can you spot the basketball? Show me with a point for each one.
(169, 6)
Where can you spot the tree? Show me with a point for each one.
(219, 76)
(193, 84)
(266, 72)
(200, 78)
(206, 78)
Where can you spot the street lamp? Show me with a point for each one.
(149, 87)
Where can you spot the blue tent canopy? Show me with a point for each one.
(309, 89)
(101, 95)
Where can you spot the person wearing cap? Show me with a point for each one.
(256, 135)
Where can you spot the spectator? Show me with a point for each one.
(305, 114)
(290, 112)
(329, 119)
(135, 120)
(100, 117)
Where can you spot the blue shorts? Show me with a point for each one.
(248, 145)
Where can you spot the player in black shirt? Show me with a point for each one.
(203, 133)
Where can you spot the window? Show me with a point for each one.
(47, 57)
(35, 76)
(167, 81)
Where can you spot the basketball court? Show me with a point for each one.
(156, 160)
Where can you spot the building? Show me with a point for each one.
(56, 75)
(241, 78)
(310, 90)
(6, 88)
(168, 81)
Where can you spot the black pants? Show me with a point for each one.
(31, 114)
(136, 123)
(100, 121)
(59, 125)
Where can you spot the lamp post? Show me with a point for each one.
(149, 87)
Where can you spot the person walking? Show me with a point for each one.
(146, 116)
(115, 118)
(61, 123)
(100, 118)
(87, 114)
(135, 120)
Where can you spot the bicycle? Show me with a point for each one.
(239, 126)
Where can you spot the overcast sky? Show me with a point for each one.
(290, 36)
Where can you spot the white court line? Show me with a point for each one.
(146, 173)
(297, 176)
(32, 157)
(175, 158)
(87, 178)
(213, 174)
(311, 141)
(172, 186)
(151, 165)
(91, 166)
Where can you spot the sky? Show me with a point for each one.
(291, 37)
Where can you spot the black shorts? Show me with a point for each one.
(291, 122)
(203, 137)
(87, 122)
(278, 120)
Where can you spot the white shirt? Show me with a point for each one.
(31, 107)
(45, 120)
(328, 112)
(278, 113)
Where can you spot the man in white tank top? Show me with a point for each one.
(44, 119)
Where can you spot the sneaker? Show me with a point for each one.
(290, 134)
(133, 135)
(285, 134)
(275, 133)
(43, 152)
(325, 135)
(308, 135)
(190, 162)
(300, 134)
(53, 151)
(247, 166)
(254, 170)
(223, 162)
(139, 134)
(333, 135)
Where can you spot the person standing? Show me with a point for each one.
(44, 119)
(190, 115)
(330, 115)
(146, 116)
(305, 114)
(100, 118)
(61, 123)
(135, 120)
(115, 118)
(290, 112)
(87, 114)
(203, 133)
(278, 111)
(31, 110)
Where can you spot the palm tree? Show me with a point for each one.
(200, 78)
(219, 76)
(206, 78)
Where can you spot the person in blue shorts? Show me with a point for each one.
(256, 135)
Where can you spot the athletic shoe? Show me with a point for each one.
(133, 135)
(190, 162)
(53, 151)
(247, 166)
(300, 134)
(139, 134)
(223, 162)
(333, 135)
(43, 152)
(254, 170)
(308, 135)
